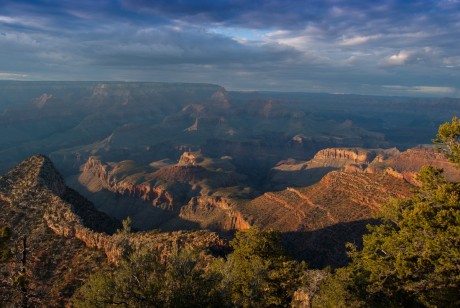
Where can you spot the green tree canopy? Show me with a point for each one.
(145, 280)
(258, 273)
(448, 138)
(413, 257)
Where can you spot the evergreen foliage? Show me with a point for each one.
(413, 257)
(258, 273)
(448, 138)
(145, 280)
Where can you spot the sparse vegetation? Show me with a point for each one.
(256, 274)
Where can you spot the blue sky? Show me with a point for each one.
(336, 46)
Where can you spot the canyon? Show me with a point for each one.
(191, 164)
(67, 238)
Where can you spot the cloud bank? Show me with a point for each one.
(290, 45)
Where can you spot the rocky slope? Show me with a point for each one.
(215, 213)
(339, 197)
(349, 185)
(67, 238)
(301, 173)
(56, 265)
(318, 220)
(195, 190)
(409, 162)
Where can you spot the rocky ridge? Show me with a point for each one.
(404, 164)
(318, 220)
(215, 213)
(341, 157)
(340, 197)
(158, 195)
(34, 200)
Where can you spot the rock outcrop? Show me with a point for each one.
(188, 189)
(408, 163)
(111, 177)
(190, 159)
(342, 157)
(215, 213)
(56, 265)
(340, 197)
(35, 200)
(403, 165)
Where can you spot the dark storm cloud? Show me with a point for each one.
(393, 47)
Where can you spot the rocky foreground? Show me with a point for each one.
(66, 237)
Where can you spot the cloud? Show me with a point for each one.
(318, 45)
(166, 46)
(9, 20)
(434, 90)
(358, 40)
(23, 21)
(426, 56)
(400, 58)
(12, 76)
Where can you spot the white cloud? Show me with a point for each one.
(8, 20)
(12, 76)
(434, 90)
(358, 40)
(299, 42)
(400, 58)
(36, 22)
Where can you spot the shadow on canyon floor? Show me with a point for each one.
(326, 247)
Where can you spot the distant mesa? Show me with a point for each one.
(100, 90)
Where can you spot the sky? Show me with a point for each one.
(389, 47)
